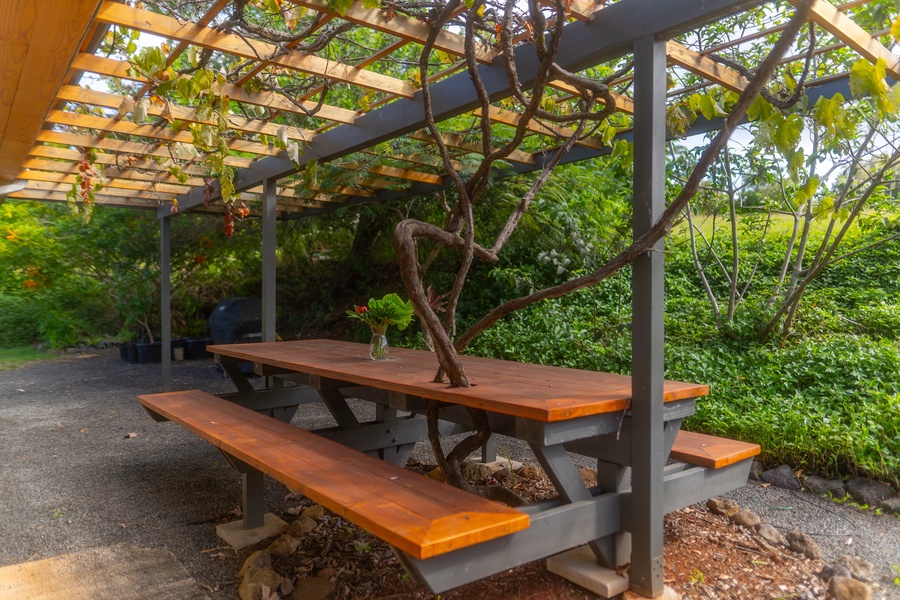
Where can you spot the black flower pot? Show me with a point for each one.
(195, 348)
(149, 352)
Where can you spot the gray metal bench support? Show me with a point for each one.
(598, 516)
(253, 506)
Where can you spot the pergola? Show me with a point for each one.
(370, 142)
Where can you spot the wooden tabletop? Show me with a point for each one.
(534, 392)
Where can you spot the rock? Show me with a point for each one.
(859, 568)
(312, 588)
(301, 527)
(530, 472)
(781, 476)
(503, 475)
(834, 570)
(756, 470)
(258, 560)
(254, 579)
(745, 518)
(821, 486)
(770, 534)
(284, 545)
(316, 512)
(845, 588)
(802, 543)
(476, 471)
(437, 474)
(890, 505)
(723, 506)
(868, 492)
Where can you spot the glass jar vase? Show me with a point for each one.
(378, 345)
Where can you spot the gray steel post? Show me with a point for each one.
(269, 217)
(648, 451)
(165, 299)
(253, 502)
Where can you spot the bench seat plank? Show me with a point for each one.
(710, 451)
(420, 516)
(536, 392)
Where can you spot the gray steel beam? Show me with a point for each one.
(701, 126)
(611, 34)
(549, 533)
(269, 245)
(647, 415)
(165, 299)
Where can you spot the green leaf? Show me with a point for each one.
(310, 173)
(786, 133)
(548, 104)
(676, 120)
(824, 208)
(708, 107)
(760, 110)
(829, 112)
(444, 58)
(365, 101)
(867, 79)
(339, 6)
(226, 183)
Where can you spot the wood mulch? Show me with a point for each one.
(706, 556)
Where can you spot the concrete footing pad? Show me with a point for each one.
(579, 566)
(499, 464)
(102, 574)
(237, 537)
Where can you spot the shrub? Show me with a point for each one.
(19, 323)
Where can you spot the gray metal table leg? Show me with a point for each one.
(563, 473)
(252, 494)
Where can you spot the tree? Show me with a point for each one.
(829, 183)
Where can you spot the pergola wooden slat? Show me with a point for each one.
(113, 13)
(404, 28)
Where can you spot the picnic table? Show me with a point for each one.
(448, 538)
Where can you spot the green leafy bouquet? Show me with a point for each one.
(390, 310)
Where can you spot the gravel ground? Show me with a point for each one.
(84, 466)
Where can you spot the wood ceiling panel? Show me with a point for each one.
(36, 47)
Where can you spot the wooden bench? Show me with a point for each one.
(710, 451)
(420, 516)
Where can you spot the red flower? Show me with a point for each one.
(362, 310)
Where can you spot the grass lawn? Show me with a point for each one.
(10, 358)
